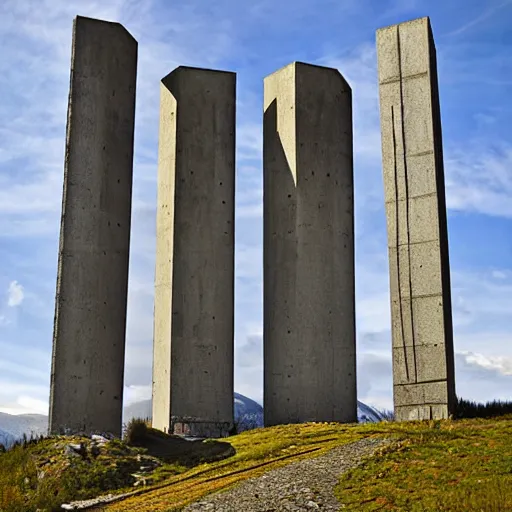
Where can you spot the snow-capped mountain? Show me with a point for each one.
(6, 439)
(248, 415)
(243, 407)
(367, 414)
(13, 427)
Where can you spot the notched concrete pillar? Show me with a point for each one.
(194, 278)
(423, 360)
(90, 311)
(309, 314)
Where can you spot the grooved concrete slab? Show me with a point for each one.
(423, 360)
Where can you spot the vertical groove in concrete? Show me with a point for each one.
(194, 278)
(309, 312)
(86, 391)
(423, 361)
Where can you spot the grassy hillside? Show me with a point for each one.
(431, 466)
(457, 466)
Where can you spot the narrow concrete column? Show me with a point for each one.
(423, 360)
(309, 313)
(90, 308)
(194, 279)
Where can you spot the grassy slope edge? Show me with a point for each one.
(431, 466)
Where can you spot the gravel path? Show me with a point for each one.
(305, 485)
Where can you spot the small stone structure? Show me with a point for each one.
(194, 278)
(423, 359)
(308, 247)
(90, 308)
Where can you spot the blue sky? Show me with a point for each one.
(474, 42)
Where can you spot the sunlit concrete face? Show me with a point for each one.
(194, 279)
(90, 312)
(423, 359)
(309, 312)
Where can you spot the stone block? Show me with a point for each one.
(421, 393)
(417, 221)
(427, 315)
(404, 50)
(387, 54)
(420, 270)
(419, 363)
(414, 47)
(427, 412)
(421, 175)
(417, 115)
(404, 365)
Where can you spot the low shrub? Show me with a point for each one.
(136, 431)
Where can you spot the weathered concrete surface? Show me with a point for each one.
(423, 360)
(90, 311)
(309, 313)
(194, 278)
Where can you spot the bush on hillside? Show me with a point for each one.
(136, 431)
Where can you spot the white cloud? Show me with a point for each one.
(250, 140)
(21, 397)
(16, 294)
(499, 274)
(33, 405)
(481, 17)
(133, 394)
(478, 178)
(502, 365)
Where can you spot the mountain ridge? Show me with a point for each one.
(248, 415)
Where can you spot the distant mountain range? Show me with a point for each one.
(13, 427)
(248, 414)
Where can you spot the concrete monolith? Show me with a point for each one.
(423, 360)
(308, 211)
(90, 311)
(194, 279)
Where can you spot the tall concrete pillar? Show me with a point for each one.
(90, 308)
(423, 360)
(194, 278)
(309, 314)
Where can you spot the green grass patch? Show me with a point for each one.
(436, 466)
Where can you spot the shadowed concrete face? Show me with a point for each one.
(309, 313)
(90, 312)
(423, 361)
(194, 278)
